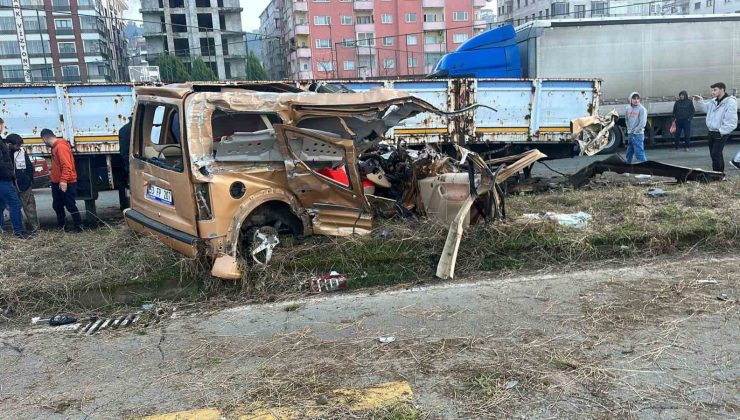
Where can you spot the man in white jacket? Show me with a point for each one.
(721, 121)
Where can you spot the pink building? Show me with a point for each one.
(334, 39)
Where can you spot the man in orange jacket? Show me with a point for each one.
(63, 179)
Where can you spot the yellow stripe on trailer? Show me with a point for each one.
(420, 131)
(502, 130)
(554, 130)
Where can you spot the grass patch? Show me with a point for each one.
(105, 269)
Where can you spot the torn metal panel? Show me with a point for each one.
(617, 164)
(592, 133)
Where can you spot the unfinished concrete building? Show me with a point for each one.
(210, 29)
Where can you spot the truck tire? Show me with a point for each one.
(615, 141)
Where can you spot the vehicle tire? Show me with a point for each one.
(615, 141)
(279, 230)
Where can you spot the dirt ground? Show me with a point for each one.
(656, 338)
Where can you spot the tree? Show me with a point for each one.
(201, 71)
(172, 69)
(255, 71)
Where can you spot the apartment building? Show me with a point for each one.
(211, 29)
(518, 12)
(708, 7)
(62, 41)
(322, 39)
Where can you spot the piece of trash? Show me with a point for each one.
(387, 340)
(330, 283)
(148, 306)
(511, 384)
(62, 319)
(577, 220)
(38, 320)
(643, 176)
(624, 247)
(657, 192)
(710, 281)
(723, 297)
(322, 400)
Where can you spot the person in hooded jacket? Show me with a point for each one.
(721, 121)
(683, 112)
(8, 193)
(636, 118)
(24, 179)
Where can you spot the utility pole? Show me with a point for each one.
(246, 44)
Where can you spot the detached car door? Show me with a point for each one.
(322, 173)
(162, 194)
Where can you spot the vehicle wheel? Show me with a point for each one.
(615, 141)
(261, 241)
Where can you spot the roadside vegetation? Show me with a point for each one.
(110, 268)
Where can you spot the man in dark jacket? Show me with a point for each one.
(24, 179)
(683, 112)
(8, 194)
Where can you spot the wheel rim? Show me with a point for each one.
(265, 239)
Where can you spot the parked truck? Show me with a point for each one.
(519, 115)
(656, 56)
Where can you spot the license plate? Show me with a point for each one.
(159, 194)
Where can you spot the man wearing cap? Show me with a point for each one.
(24, 179)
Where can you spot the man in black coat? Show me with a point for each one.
(683, 112)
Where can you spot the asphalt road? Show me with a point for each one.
(696, 157)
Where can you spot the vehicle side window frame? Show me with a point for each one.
(146, 110)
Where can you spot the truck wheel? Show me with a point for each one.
(615, 141)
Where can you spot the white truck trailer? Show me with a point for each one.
(658, 56)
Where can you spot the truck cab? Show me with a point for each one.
(223, 170)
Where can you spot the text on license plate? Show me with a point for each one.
(159, 194)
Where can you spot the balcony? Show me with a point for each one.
(14, 80)
(300, 6)
(434, 26)
(65, 8)
(365, 4)
(479, 3)
(435, 48)
(71, 79)
(303, 52)
(365, 27)
(302, 30)
(151, 10)
(435, 3)
(67, 55)
(366, 50)
(64, 31)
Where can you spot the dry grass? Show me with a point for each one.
(109, 267)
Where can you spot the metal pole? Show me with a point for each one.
(246, 44)
(43, 48)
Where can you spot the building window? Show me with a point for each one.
(67, 49)
(413, 62)
(387, 18)
(366, 39)
(697, 5)
(389, 63)
(433, 17)
(63, 25)
(348, 42)
(323, 43)
(71, 73)
(32, 24)
(365, 20)
(322, 20)
(13, 72)
(598, 8)
(460, 16)
(305, 66)
(580, 11)
(560, 9)
(346, 20)
(38, 48)
(91, 46)
(410, 17)
(547, 13)
(411, 40)
(349, 65)
(325, 66)
(709, 3)
(387, 41)
(459, 38)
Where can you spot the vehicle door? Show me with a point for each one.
(322, 173)
(161, 187)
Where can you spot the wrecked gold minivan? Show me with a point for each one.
(222, 169)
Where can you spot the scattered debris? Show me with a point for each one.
(387, 339)
(723, 297)
(329, 283)
(512, 384)
(592, 133)
(707, 281)
(643, 177)
(148, 306)
(657, 193)
(62, 319)
(617, 164)
(577, 220)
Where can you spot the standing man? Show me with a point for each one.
(636, 116)
(683, 112)
(721, 121)
(63, 179)
(8, 194)
(24, 179)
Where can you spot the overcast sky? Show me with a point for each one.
(250, 15)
